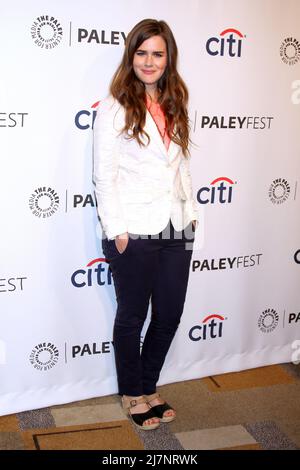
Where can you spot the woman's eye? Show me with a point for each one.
(156, 54)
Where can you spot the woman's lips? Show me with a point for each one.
(148, 72)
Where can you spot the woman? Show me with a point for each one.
(145, 203)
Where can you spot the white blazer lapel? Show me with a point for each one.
(151, 129)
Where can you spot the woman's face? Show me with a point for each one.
(150, 61)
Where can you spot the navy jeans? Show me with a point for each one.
(152, 267)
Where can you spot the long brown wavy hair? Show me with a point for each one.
(129, 91)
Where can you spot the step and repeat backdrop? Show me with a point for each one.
(241, 63)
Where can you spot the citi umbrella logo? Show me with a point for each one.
(96, 272)
(220, 191)
(228, 43)
(210, 328)
(85, 118)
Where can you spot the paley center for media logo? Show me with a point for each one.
(220, 190)
(290, 51)
(44, 356)
(46, 31)
(228, 43)
(96, 272)
(268, 320)
(44, 202)
(279, 191)
(210, 328)
(297, 257)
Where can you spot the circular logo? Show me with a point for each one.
(268, 320)
(297, 257)
(44, 202)
(290, 51)
(279, 191)
(44, 356)
(46, 32)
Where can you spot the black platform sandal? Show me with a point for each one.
(159, 410)
(139, 418)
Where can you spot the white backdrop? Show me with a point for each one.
(241, 62)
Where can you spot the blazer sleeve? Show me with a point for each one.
(106, 166)
(190, 204)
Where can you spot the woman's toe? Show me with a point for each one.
(151, 421)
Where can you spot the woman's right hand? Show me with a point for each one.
(121, 242)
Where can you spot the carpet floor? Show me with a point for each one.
(257, 409)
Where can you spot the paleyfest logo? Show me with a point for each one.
(46, 32)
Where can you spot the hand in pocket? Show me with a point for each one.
(121, 242)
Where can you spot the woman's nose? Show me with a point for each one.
(148, 60)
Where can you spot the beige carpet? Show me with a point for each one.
(255, 409)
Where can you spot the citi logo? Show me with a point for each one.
(211, 328)
(85, 118)
(228, 44)
(219, 191)
(96, 272)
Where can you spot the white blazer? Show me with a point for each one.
(138, 189)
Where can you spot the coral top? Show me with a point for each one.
(159, 119)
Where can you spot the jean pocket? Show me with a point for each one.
(116, 249)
